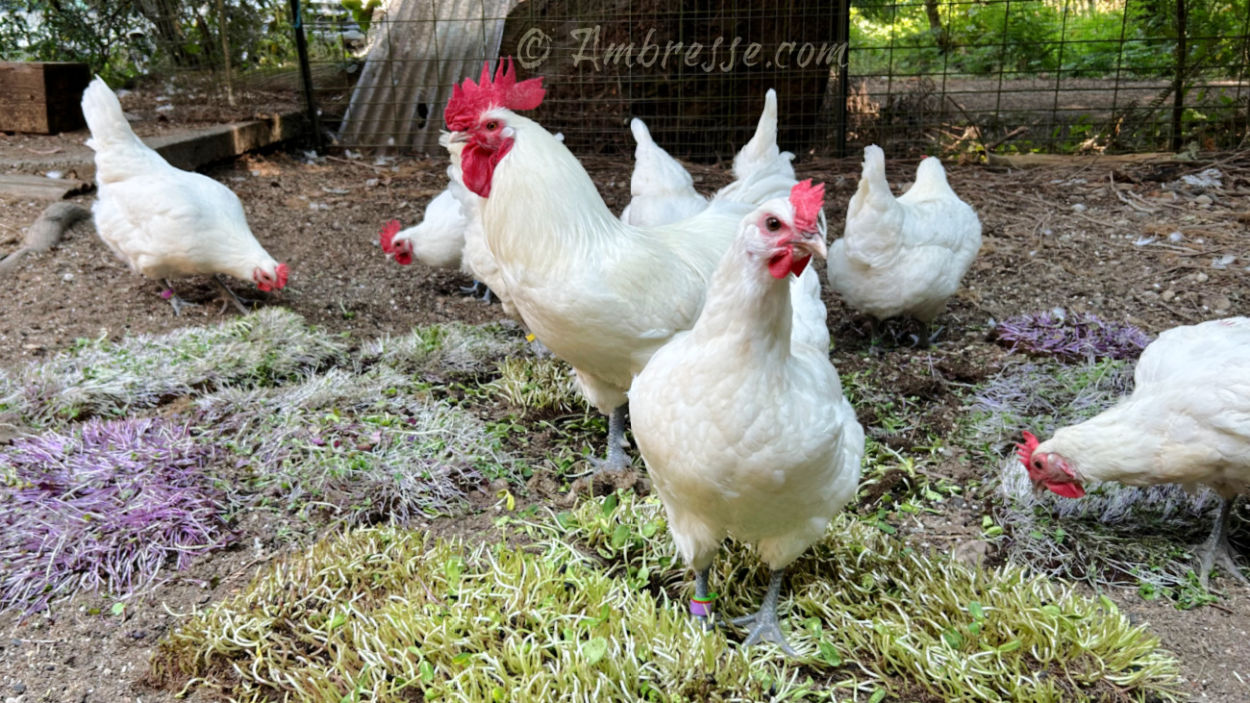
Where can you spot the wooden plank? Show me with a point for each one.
(226, 141)
(1054, 160)
(42, 97)
(40, 188)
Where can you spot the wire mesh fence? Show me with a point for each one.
(921, 75)
(912, 75)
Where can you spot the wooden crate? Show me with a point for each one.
(42, 97)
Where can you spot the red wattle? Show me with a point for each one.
(1067, 490)
(799, 264)
(478, 166)
(781, 264)
(477, 169)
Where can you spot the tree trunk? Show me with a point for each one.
(935, 24)
(164, 15)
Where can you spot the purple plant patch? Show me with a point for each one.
(1071, 335)
(105, 507)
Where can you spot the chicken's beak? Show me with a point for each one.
(458, 138)
(812, 243)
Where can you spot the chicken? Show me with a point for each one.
(903, 256)
(163, 221)
(661, 188)
(449, 235)
(663, 191)
(741, 420)
(437, 241)
(601, 294)
(1187, 421)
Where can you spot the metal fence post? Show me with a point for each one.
(301, 46)
(1178, 85)
(842, 38)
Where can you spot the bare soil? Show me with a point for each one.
(1096, 236)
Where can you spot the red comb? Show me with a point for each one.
(387, 235)
(1025, 451)
(469, 99)
(807, 201)
(281, 272)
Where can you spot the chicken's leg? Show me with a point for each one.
(928, 335)
(763, 623)
(238, 302)
(616, 459)
(701, 604)
(174, 301)
(479, 290)
(1217, 547)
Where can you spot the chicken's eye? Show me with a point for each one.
(773, 224)
(491, 126)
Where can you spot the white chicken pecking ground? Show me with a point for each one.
(1187, 421)
(905, 255)
(741, 420)
(601, 294)
(449, 236)
(163, 221)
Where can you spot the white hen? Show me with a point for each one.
(905, 255)
(163, 221)
(437, 241)
(741, 420)
(662, 189)
(1187, 421)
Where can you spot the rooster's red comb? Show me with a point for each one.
(807, 201)
(1025, 451)
(469, 99)
(387, 235)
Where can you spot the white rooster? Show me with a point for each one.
(163, 221)
(601, 294)
(741, 420)
(905, 255)
(1187, 421)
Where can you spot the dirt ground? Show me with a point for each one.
(1090, 235)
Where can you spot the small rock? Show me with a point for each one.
(19, 687)
(67, 277)
(1219, 303)
(1203, 201)
(1168, 295)
(972, 552)
(1078, 207)
(1201, 277)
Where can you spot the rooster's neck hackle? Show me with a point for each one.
(542, 187)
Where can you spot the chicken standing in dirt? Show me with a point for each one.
(163, 221)
(905, 255)
(1187, 421)
(741, 420)
(601, 294)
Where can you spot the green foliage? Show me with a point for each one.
(362, 12)
(587, 605)
(1032, 36)
(126, 39)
